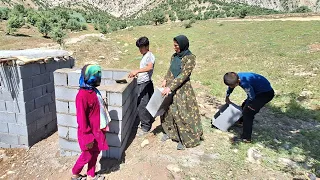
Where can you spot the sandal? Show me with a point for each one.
(81, 177)
(180, 146)
(165, 137)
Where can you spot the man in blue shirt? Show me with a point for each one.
(259, 92)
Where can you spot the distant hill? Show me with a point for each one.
(127, 8)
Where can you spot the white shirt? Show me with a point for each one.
(146, 59)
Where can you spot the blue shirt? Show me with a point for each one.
(252, 84)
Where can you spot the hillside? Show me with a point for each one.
(126, 8)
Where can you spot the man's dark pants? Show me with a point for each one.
(250, 109)
(145, 91)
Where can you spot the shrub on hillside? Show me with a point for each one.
(243, 12)
(4, 13)
(158, 16)
(58, 35)
(84, 26)
(103, 28)
(44, 26)
(188, 24)
(20, 9)
(302, 9)
(172, 16)
(74, 25)
(14, 22)
(32, 18)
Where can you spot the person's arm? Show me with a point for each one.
(229, 91)
(249, 90)
(185, 73)
(85, 131)
(149, 67)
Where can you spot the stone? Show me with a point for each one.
(174, 168)
(101, 57)
(144, 143)
(254, 155)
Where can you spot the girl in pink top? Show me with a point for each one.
(92, 121)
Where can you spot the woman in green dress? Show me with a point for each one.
(182, 121)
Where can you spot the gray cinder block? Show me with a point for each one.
(72, 108)
(9, 138)
(64, 93)
(62, 106)
(4, 127)
(69, 145)
(7, 117)
(227, 115)
(67, 120)
(60, 78)
(43, 100)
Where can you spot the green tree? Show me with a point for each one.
(4, 13)
(32, 18)
(158, 16)
(243, 12)
(302, 9)
(14, 22)
(44, 26)
(19, 8)
(58, 35)
(74, 25)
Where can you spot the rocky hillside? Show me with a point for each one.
(125, 8)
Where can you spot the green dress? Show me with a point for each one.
(182, 121)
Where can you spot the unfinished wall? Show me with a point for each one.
(122, 101)
(27, 106)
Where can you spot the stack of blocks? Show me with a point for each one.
(27, 106)
(122, 106)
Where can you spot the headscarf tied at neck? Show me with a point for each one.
(90, 76)
(183, 43)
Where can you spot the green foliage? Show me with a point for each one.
(14, 22)
(158, 16)
(84, 26)
(103, 28)
(185, 15)
(302, 9)
(243, 12)
(44, 26)
(4, 13)
(33, 17)
(188, 24)
(63, 24)
(96, 26)
(172, 16)
(74, 25)
(20, 9)
(58, 35)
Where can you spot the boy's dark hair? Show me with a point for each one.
(142, 42)
(230, 78)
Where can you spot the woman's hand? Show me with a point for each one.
(90, 145)
(164, 83)
(166, 91)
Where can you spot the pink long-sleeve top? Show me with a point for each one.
(88, 118)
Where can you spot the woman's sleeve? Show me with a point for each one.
(185, 73)
(85, 131)
(167, 76)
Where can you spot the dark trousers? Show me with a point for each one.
(145, 91)
(250, 109)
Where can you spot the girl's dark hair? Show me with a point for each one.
(230, 78)
(142, 42)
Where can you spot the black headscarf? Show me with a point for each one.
(183, 43)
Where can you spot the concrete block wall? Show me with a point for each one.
(122, 104)
(27, 102)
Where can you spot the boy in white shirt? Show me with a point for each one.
(145, 85)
